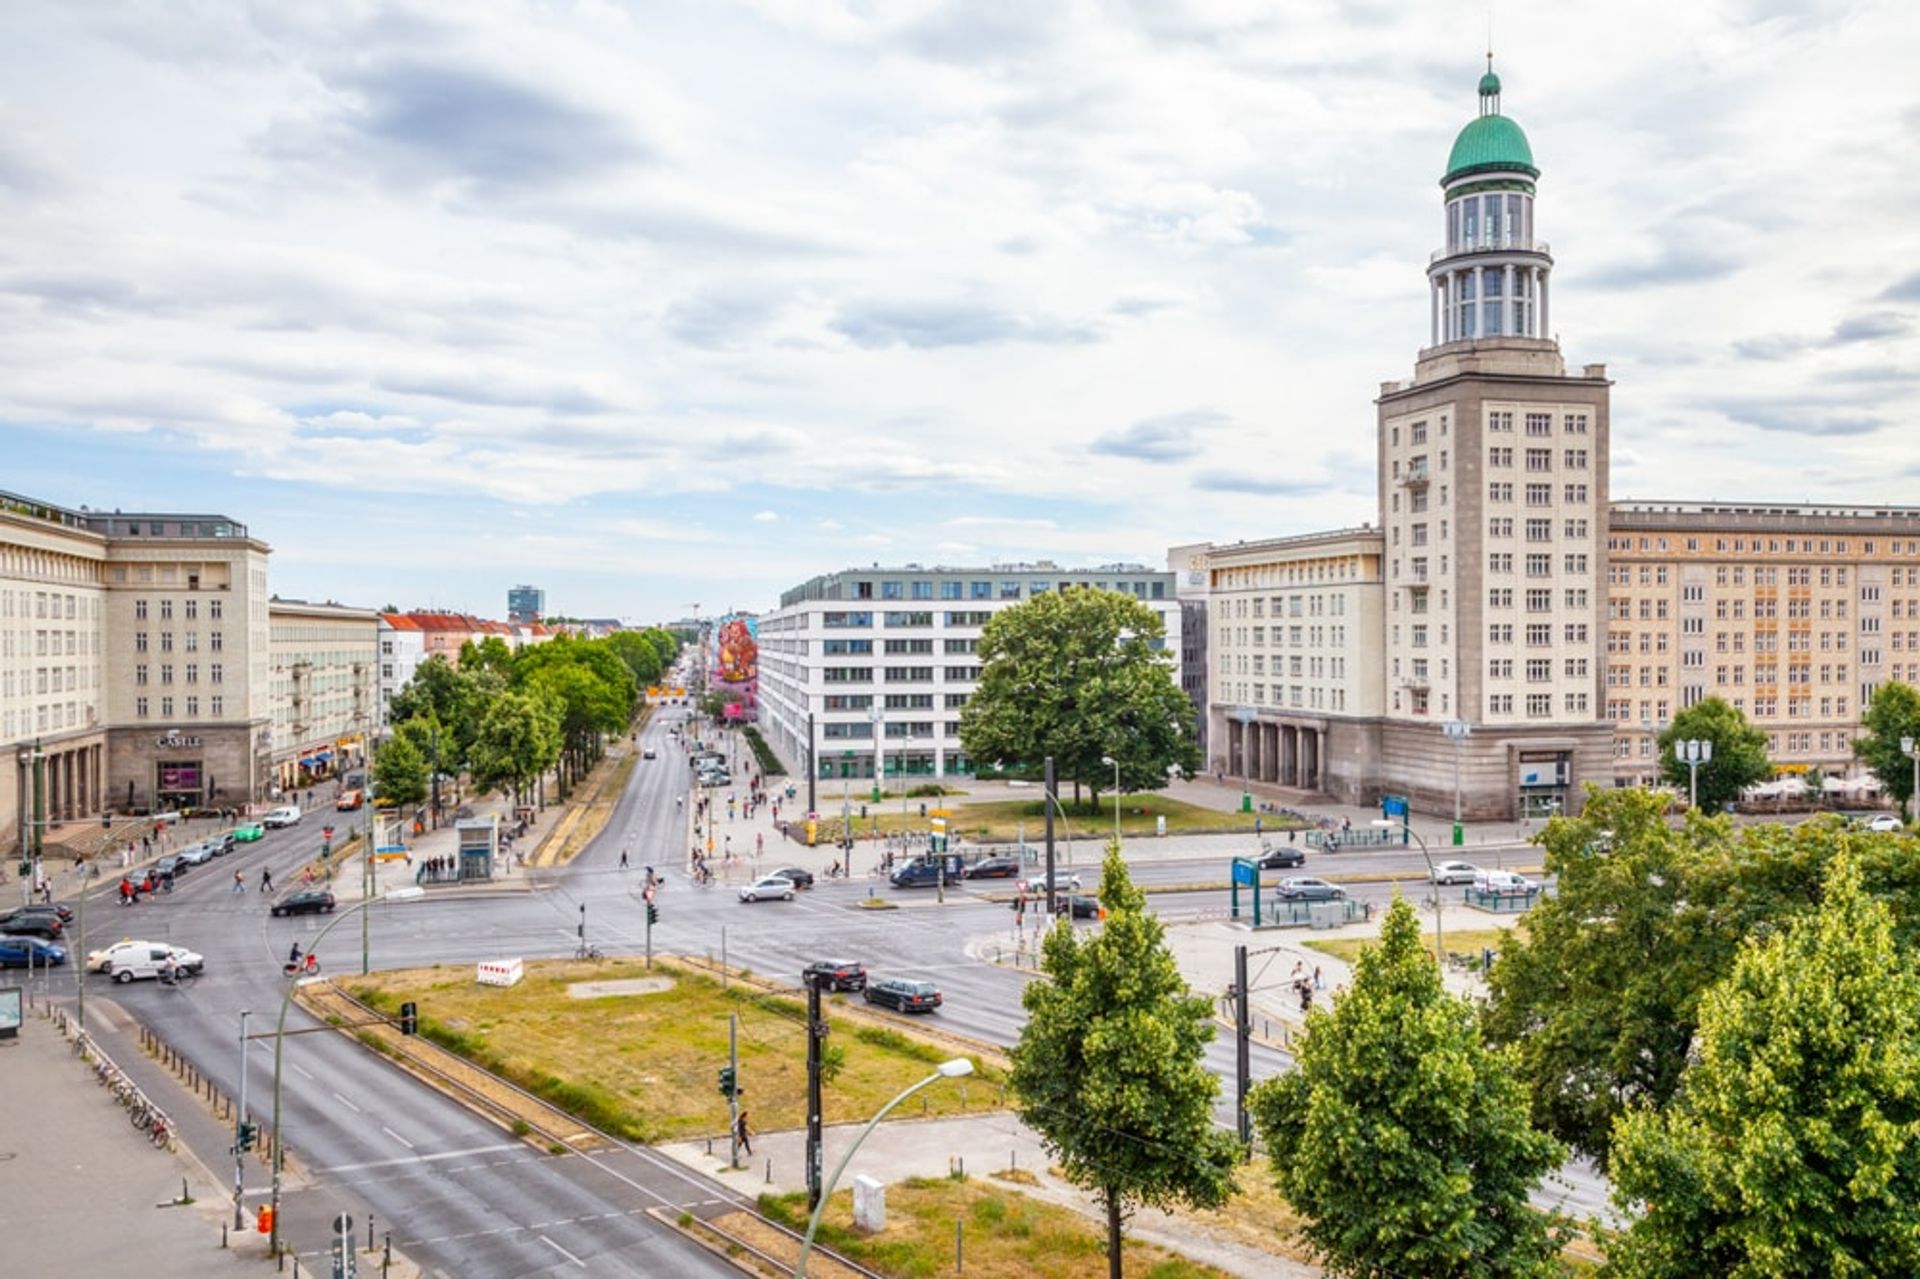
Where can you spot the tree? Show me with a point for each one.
(1794, 1146)
(489, 653)
(1402, 1136)
(639, 653)
(1108, 1069)
(1739, 752)
(1893, 713)
(1075, 675)
(453, 697)
(400, 771)
(517, 740)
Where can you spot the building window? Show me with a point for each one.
(139, 641)
(140, 707)
(140, 610)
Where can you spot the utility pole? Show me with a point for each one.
(733, 1090)
(239, 1133)
(813, 769)
(1242, 1046)
(816, 1039)
(1052, 802)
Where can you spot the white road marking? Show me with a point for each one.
(563, 1252)
(396, 1136)
(423, 1159)
(349, 1105)
(303, 1073)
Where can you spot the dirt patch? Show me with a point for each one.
(628, 986)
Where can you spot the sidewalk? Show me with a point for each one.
(402, 874)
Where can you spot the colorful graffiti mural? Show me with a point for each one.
(736, 664)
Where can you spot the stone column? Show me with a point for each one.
(1253, 752)
(1434, 290)
(1546, 330)
(1510, 305)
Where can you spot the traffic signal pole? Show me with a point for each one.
(816, 1038)
(239, 1133)
(1052, 802)
(1242, 1035)
(733, 1093)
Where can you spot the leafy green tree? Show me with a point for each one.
(1893, 713)
(640, 654)
(1739, 752)
(1075, 675)
(1404, 1138)
(432, 739)
(1109, 1066)
(1794, 1146)
(451, 696)
(400, 771)
(489, 653)
(517, 740)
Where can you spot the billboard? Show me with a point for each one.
(736, 664)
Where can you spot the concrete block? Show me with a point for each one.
(869, 1204)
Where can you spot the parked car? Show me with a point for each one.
(647, 753)
(904, 996)
(305, 901)
(221, 844)
(59, 910)
(1063, 881)
(147, 960)
(350, 800)
(1283, 858)
(286, 815)
(802, 878)
(24, 952)
(197, 854)
(25, 923)
(1501, 881)
(714, 779)
(836, 974)
(1080, 906)
(1455, 873)
(248, 832)
(768, 886)
(171, 865)
(995, 868)
(1885, 822)
(1305, 888)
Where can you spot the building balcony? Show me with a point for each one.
(1540, 247)
(1415, 477)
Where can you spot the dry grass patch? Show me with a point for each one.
(1003, 820)
(1460, 941)
(647, 1069)
(1006, 1235)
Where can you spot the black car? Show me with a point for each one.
(994, 868)
(59, 910)
(904, 996)
(25, 923)
(173, 866)
(308, 901)
(801, 878)
(1283, 858)
(835, 974)
(1079, 905)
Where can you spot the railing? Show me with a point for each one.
(1359, 837)
(1511, 246)
(1501, 901)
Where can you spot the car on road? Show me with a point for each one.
(802, 878)
(1305, 888)
(146, 961)
(1063, 881)
(1501, 881)
(904, 996)
(1884, 822)
(995, 868)
(25, 923)
(59, 910)
(304, 901)
(350, 800)
(197, 854)
(286, 815)
(648, 753)
(97, 959)
(248, 832)
(924, 874)
(171, 865)
(1080, 906)
(767, 886)
(25, 952)
(714, 779)
(835, 974)
(1283, 858)
(1455, 872)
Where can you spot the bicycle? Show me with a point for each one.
(161, 1132)
(178, 978)
(586, 950)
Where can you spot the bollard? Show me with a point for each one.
(769, 1170)
(709, 1143)
(386, 1255)
(1013, 1160)
(223, 1236)
(369, 1232)
(958, 1255)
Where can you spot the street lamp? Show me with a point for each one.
(1246, 715)
(1108, 759)
(1458, 730)
(958, 1068)
(1908, 748)
(1406, 827)
(877, 720)
(1694, 752)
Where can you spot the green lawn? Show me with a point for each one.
(1000, 821)
(1460, 941)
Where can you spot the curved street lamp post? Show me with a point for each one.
(1439, 941)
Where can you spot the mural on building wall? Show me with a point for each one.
(736, 665)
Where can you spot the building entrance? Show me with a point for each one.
(178, 784)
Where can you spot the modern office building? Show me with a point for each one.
(526, 604)
(883, 659)
(325, 688)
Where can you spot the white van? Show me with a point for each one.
(278, 817)
(145, 961)
(1502, 881)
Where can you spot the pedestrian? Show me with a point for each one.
(239, 882)
(759, 844)
(1319, 983)
(1306, 997)
(623, 859)
(146, 845)
(1290, 834)
(1258, 822)
(743, 1135)
(266, 879)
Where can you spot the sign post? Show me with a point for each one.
(1246, 871)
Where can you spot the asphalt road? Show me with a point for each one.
(460, 1195)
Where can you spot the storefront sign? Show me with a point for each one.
(175, 742)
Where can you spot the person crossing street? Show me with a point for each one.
(266, 879)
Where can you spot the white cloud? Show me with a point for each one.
(766, 517)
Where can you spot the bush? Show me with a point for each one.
(770, 764)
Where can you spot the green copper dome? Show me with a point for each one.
(1488, 143)
(1489, 85)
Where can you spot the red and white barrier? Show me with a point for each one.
(498, 972)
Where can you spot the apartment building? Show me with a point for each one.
(1794, 614)
(880, 661)
(324, 687)
(403, 646)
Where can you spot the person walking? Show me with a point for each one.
(239, 882)
(743, 1134)
(266, 879)
(623, 859)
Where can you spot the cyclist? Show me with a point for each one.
(293, 956)
(168, 973)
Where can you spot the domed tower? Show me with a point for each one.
(1490, 281)
(1493, 502)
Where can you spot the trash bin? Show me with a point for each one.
(263, 1219)
(1160, 825)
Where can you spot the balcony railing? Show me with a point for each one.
(1510, 246)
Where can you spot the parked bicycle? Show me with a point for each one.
(587, 950)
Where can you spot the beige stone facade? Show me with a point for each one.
(325, 687)
(1793, 614)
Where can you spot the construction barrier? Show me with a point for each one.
(500, 972)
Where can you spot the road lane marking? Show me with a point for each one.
(302, 1072)
(424, 1159)
(563, 1252)
(396, 1136)
(349, 1105)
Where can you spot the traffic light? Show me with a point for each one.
(653, 914)
(246, 1135)
(728, 1088)
(409, 1018)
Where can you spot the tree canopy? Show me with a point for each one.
(1401, 1136)
(518, 739)
(1075, 675)
(1109, 1066)
(1893, 713)
(1739, 752)
(1793, 1146)
(400, 771)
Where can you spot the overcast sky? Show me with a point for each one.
(660, 303)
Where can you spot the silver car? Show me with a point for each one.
(1305, 888)
(768, 886)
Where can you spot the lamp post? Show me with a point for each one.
(1694, 752)
(1439, 941)
(877, 720)
(1108, 759)
(1246, 715)
(1912, 752)
(958, 1068)
(1458, 730)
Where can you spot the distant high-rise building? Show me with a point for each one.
(526, 604)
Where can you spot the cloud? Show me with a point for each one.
(1801, 417)
(1673, 265)
(1872, 327)
(931, 325)
(1160, 439)
(1216, 481)
(766, 517)
(1908, 289)
(1194, 213)
(1869, 328)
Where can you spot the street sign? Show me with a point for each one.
(1393, 805)
(1246, 871)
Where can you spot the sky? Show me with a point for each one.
(673, 304)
